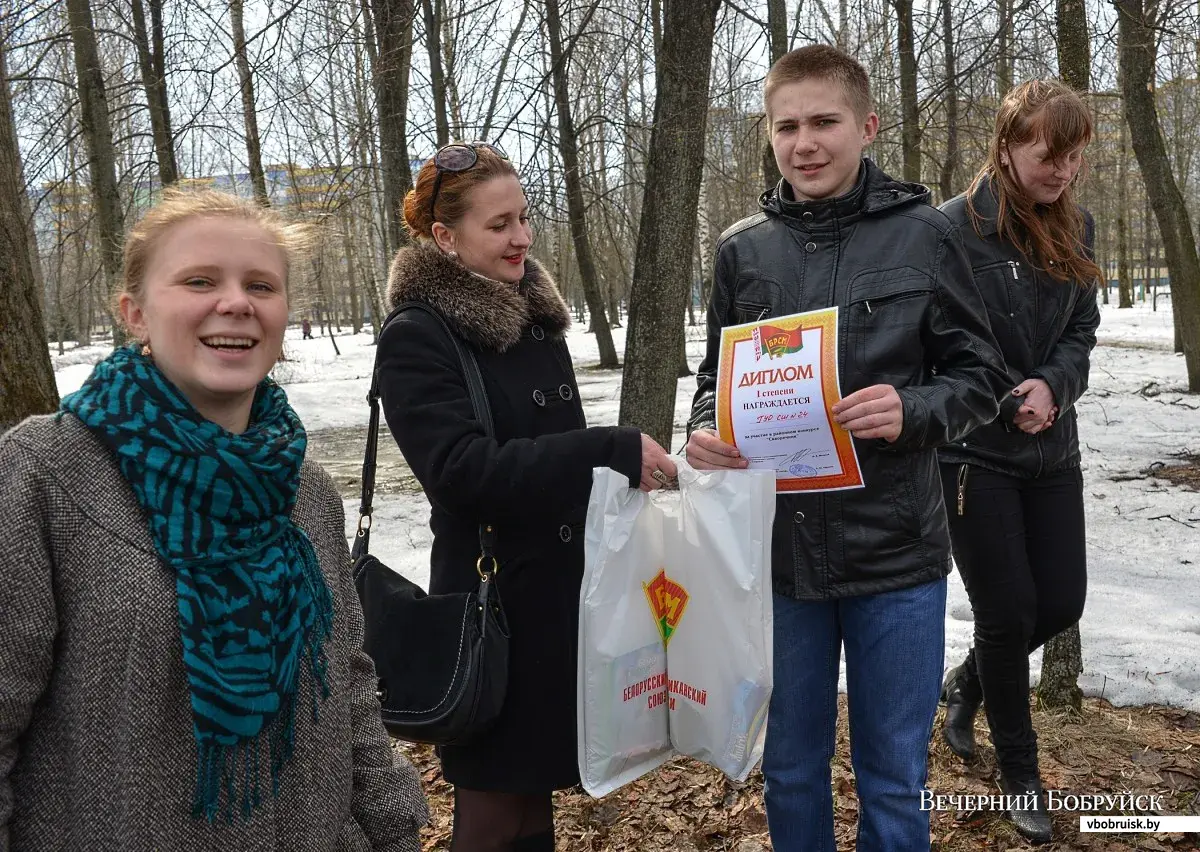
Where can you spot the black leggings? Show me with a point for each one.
(502, 822)
(1020, 547)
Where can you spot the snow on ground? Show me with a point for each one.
(1141, 626)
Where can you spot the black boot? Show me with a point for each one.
(1029, 816)
(963, 695)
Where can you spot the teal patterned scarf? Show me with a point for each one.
(252, 601)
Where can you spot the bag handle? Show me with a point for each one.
(483, 413)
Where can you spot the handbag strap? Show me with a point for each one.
(479, 404)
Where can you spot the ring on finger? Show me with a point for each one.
(661, 477)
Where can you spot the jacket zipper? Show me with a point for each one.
(962, 489)
(1013, 266)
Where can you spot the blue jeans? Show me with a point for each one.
(894, 650)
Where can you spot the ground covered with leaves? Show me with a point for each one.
(688, 807)
(1184, 472)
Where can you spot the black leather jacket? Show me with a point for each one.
(1045, 328)
(909, 316)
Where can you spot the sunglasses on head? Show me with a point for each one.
(457, 157)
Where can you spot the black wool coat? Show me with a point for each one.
(531, 481)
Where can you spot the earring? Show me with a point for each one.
(452, 254)
(146, 353)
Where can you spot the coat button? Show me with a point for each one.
(537, 333)
(564, 532)
(806, 216)
(810, 247)
(539, 398)
(799, 517)
(565, 392)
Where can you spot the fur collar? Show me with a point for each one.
(489, 314)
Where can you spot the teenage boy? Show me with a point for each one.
(863, 568)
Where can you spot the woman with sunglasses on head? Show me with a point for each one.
(181, 665)
(1013, 488)
(532, 481)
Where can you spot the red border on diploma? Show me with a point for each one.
(826, 321)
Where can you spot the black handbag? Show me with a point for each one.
(441, 660)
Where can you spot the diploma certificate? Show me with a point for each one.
(776, 382)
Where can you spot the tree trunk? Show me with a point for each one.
(1147, 242)
(153, 67)
(24, 353)
(102, 161)
(777, 24)
(393, 32)
(249, 117)
(950, 162)
(366, 144)
(656, 28)
(450, 69)
(1004, 59)
(911, 130)
(1124, 282)
(1063, 655)
(1137, 57)
(663, 267)
(576, 211)
(1074, 55)
(321, 302)
(437, 80)
(1062, 663)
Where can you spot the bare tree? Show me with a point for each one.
(24, 357)
(504, 60)
(950, 59)
(1124, 280)
(1004, 52)
(249, 115)
(1062, 659)
(393, 31)
(568, 143)
(437, 80)
(1136, 48)
(97, 131)
(663, 267)
(152, 63)
(909, 106)
(777, 25)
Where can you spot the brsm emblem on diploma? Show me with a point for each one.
(776, 382)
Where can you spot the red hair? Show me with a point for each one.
(453, 198)
(1050, 236)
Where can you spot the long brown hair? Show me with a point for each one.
(1051, 236)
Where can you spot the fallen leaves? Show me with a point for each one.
(689, 807)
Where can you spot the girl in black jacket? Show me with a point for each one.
(532, 480)
(1013, 488)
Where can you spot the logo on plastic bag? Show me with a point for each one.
(667, 601)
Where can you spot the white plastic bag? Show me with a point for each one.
(622, 660)
(725, 563)
(675, 625)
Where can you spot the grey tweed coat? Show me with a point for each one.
(96, 746)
